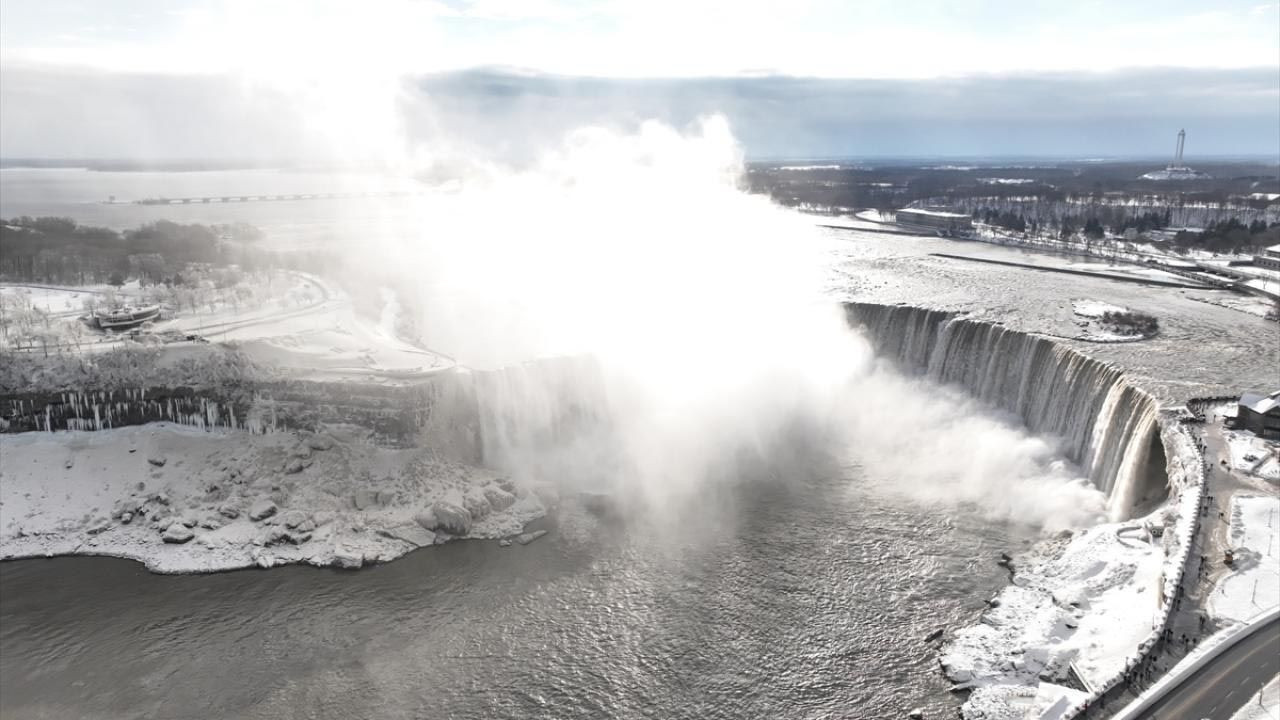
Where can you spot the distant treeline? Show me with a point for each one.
(1230, 236)
(1221, 236)
(837, 187)
(58, 250)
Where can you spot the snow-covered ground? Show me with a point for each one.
(1091, 326)
(1254, 455)
(1264, 284)
(1263, 706)
(1087, 606)
(49, 299)
(1254, 583)
(1094, 308)
(185, 500)
(333, 342)
(1251, 304)
(291, 320)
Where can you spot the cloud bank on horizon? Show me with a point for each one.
(227, 79)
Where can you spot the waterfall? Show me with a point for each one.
(1106, 425)
(529, 411)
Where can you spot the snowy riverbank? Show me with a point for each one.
(1079, 606)
(1083, 607)
(183, 500)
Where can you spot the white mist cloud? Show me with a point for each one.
(702, 308)
(938, 446)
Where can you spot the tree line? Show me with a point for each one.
(57, 250)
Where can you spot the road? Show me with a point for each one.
(1226, 683)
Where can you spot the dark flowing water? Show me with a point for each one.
(798, 598)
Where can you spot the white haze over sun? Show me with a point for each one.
(701, 304)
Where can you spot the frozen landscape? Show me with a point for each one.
(236, 483)
(181, 499)
(1253, 586)
(422, 360)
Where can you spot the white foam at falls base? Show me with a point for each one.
(1105, 423)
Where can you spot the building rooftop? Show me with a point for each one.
(1260, 403)
(934, 213)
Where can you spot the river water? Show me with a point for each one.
(805, 596)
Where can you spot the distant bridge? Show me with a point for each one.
(205, 200)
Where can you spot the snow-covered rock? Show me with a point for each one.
(412, 533)
(526, 538)
(262, 510)
(451, 519)
(498, 498)
(426, 519)
(50, 509)
(476, 504)
(177, 533)
(293, 518)
(347, 558)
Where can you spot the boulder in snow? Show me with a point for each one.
(476, 504)
(427, 519)
(177, 533)
(128, 506)
(347, 558)
(451, 519)
(526, 538)
(157, 459)
(413, 534)
(293, 518)
(227, 510)
(498, 498)
(262, 510)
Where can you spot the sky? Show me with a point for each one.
(217, 78)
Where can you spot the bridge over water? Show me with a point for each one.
(270, 197)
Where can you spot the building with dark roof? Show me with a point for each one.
(1270, 258)
(1259, 414)
(937, 220)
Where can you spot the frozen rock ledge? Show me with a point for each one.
(228, 500)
